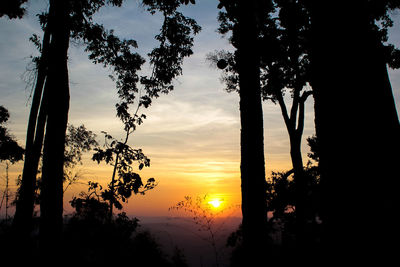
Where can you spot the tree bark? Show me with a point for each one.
(51, 205)
(357, 128)
(252, 136)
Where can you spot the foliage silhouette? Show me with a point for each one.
(12, 8)
(10, 150)
(78, 140)
(127, 181)
(91, 237)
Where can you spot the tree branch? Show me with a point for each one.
(300, 124)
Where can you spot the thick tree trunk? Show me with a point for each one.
(51, 207)
(357, 129)
(252, 138)
(22, 222)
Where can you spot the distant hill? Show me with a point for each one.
(184, 234)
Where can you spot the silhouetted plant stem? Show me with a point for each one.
(203, 216)
(112, 188)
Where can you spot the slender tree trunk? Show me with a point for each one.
(113, 187)
(6, 191)
(22, 222)
(252, 138)
(51, 207)
(358, 133)
(295, 125)
(301, 195)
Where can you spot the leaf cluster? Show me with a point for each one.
(281, 192)
(122, 156)
(379, 12)
(89, 205)
(9, 147)
(12, 8)
(104, 47)
(175, 43)
(107, 49)
(282, 44)
(126, 155)
(165, 6)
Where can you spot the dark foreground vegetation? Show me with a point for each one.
(340, 210)
(90, 239)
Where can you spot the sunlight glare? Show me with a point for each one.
(215, 203)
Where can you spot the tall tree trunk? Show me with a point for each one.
(22, 222)
(51, 205)
(357, 129)
(252, 135)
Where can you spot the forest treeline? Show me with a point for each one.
(342, 208)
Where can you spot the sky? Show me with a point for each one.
(192, 135)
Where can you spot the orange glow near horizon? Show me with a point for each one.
(216, 176)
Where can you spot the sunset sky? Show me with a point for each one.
(192, 135)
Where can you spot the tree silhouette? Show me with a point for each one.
(284, 67)
(349, 55)
(244, 19)
(68, 20)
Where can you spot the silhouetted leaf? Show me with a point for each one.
(141, 165)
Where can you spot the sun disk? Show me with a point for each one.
(216, 203)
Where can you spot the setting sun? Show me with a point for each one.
(215, 203)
